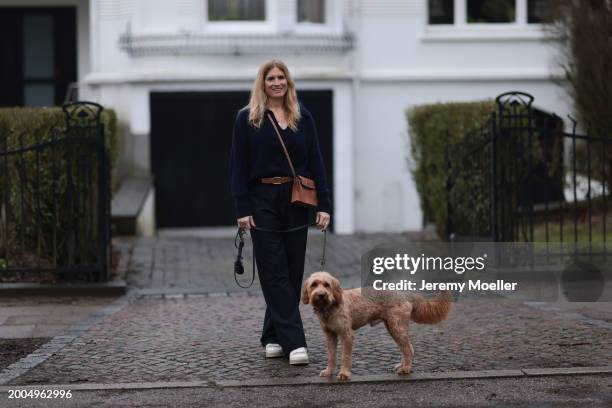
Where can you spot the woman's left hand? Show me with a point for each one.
(322, 220)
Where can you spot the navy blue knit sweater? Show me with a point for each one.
(257, 153)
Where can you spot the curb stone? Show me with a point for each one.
(199, 292)
(194, 294)
(113, 288)
(432, 376)
(450, 375)
(567, 371)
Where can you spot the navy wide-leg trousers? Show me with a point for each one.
(280, 262)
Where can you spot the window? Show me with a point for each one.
(535, 11)
(39, 57)
(465, 12)
(236, 10)
(441, 11)
(491, 11)
(311, 11)
(39, 88)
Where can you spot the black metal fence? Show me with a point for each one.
(531, 181)
(55, 198)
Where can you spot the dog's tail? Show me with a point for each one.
(432, 311)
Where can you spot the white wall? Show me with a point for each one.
(401, 62)
(398, 62)
(387, 198)
(132, 100)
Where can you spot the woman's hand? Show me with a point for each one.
(246, 222)
(322, 220)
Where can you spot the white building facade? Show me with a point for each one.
(373, 58)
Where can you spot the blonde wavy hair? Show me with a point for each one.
(258, 102)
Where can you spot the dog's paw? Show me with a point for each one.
(403, 369)
(326, 373)
(344, 375)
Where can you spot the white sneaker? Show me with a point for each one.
(298, 356)
(273, 350)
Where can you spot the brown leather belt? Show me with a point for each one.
(276, 180)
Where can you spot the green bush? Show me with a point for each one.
(433, 129)
(35, 221)
(26, 120)
(444, 139)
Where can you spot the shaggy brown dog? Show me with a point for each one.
(341, 312)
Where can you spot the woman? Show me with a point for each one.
(261, 188)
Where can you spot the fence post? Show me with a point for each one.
(88, 116)
(493, 198)
(447, 168)
(103, 203)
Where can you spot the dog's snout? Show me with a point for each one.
(319, 297)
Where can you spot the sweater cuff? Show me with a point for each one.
(242, 206)
(324, 203)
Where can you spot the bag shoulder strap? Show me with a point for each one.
(282, 144)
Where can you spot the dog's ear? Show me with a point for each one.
(305, 295)
(336, 289)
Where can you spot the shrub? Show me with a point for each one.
(434, 129)
(452, 165)
(27, 120)
(34, 188)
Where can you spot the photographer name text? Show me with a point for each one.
(475, 285)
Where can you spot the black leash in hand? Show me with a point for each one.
(239, 244)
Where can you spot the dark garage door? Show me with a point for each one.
(190, 143)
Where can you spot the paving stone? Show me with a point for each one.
(16, 331)
(174, 296)
(47, 330)
(24, 320)
(7, 311)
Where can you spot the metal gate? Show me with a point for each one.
(55, 197)
(532, 181)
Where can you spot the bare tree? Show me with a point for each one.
(585, 30)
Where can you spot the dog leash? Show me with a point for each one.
(239, 244)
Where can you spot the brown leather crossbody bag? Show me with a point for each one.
(304, 192)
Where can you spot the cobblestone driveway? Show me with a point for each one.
(214, 335)
(216, 338)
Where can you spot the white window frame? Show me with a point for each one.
(333, 9)
(269, 25)
(462, 30)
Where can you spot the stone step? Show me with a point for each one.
(128, 203)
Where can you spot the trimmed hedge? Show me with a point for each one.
(35, 202)
(27, 120)
(432, 129)
(443, 140)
